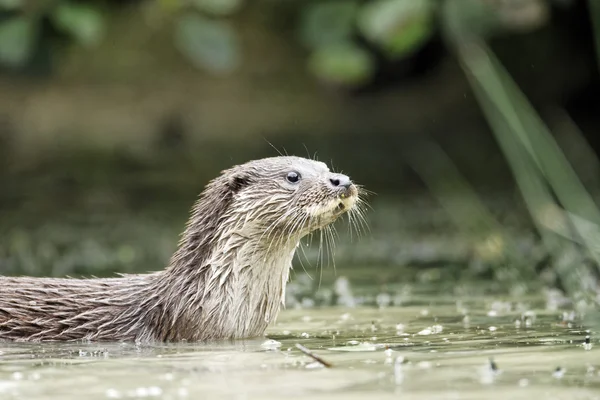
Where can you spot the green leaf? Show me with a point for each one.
(208, 44)
(343, 64)
(218, 7)
(471, 18)
(10, 4)
(399, 27)
(17, 40)
(83, 22)
(328, 23)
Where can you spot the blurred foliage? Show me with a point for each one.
(561, 207)
(16, 40)
(207, 43)
(344, 39)
(397, 27)
(21, 26)
(345, 42)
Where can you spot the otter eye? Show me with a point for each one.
(293, 177)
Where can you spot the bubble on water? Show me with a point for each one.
(528, 317)
(314, 365)
(383, 300)
(590, 370)
(587, 343)
(182, 392)
(556, 299)
(398, 370)
(305, 335)
(35, 376)
(141, 392)
(424, 364)
(523, 382)
(113, 394)
(501, 307)
(558, 373)
(271, 344)
(431, 330)
(492, 329)
(569, 316)
(399, 329)
(344, 292)
(17, 376)
(399, 299)
(373, 327)
(488, 372)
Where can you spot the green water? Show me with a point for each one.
(432, 346)
(398, 317)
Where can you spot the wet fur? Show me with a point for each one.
(226, 280)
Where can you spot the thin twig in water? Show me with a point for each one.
(313, 356)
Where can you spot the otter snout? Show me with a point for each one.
(343, 185)
(340, 181)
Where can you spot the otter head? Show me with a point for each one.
(288, 195)
(271, 201)
(241, 239)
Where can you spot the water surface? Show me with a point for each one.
(433, 346)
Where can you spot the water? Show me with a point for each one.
(434, 347)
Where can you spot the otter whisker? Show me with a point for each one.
(272, 227)
(302, 263)
(320, 257)
(331, 232)
(354, 225)
(357, 213)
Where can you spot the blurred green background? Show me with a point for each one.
(474, 121)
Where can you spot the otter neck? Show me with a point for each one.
(231, 285)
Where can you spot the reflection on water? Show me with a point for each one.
(438, 347)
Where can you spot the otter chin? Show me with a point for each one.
(226, 280)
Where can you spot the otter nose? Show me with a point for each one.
(339, 180)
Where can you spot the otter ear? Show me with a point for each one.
(238, 182)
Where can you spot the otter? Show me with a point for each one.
(226, 280)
